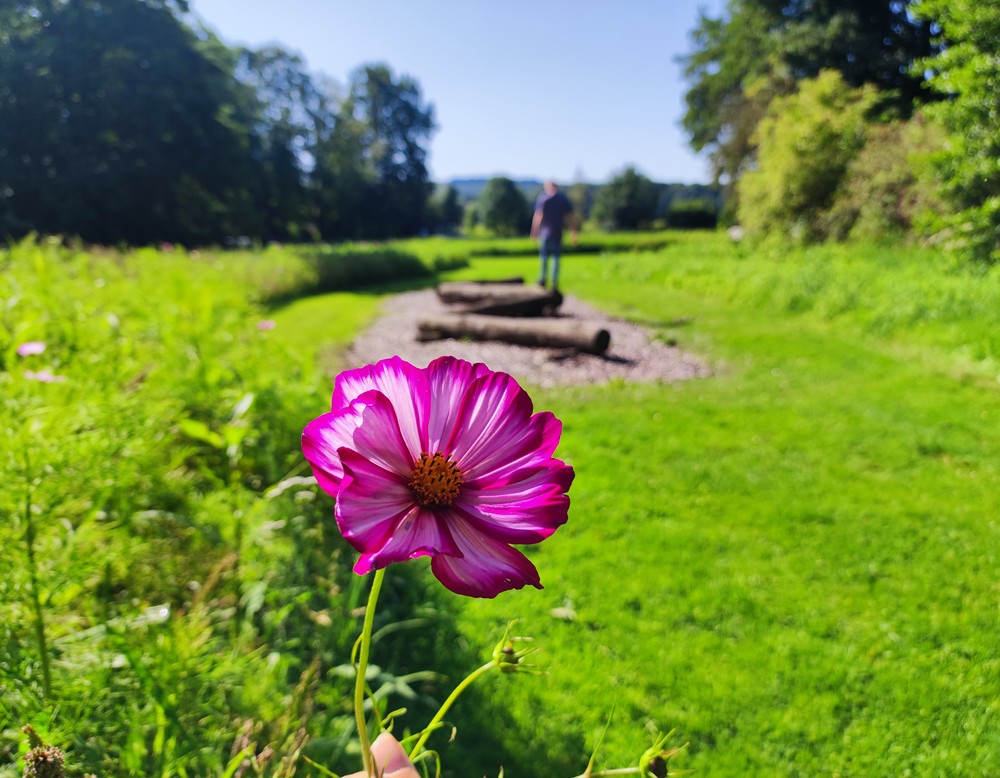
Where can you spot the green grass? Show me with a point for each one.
(792, 562)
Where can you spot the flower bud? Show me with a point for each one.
(42, 761)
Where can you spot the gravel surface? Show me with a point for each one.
(633, 355)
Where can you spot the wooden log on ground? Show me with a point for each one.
(474, 292)
(588, 337)
(543, 303)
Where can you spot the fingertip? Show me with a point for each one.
(389, 755)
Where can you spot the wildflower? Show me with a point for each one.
(30, 348)
(44, 376)
(42, 760)
(448, 461)
(264, 325)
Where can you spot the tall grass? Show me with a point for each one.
(791, 562)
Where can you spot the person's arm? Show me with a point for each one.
(536, 223)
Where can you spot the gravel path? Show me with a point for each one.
(633, 355)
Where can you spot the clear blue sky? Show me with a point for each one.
(543, 89)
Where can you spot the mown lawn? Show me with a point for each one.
(793, 562)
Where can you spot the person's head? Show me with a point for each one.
(550, 187)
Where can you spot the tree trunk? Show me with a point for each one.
(584, 336)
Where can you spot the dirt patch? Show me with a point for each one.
(634, 355)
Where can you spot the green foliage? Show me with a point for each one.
(126, 122)
(445, 212)
(502, 207)
(627, 202)
(119, 125)
(806, 142)
(186, 601)
(692, 214)
(966, 72)
(888, 192)
(777, 40)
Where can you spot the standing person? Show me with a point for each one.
(552, 210)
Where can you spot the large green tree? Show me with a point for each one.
(967, 73)
(118, 123)
(503, 207)
(627, 202)
(760, 49)
(392, 124)
(290, 113)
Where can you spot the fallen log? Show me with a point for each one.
(542, 303)
(474, 292)
(588, 337)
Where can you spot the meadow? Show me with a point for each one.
(791, 563)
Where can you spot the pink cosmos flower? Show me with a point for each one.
(30, 348)
(448, 461)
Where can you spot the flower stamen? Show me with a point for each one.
(435, 480)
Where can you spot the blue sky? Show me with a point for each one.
(542, 89)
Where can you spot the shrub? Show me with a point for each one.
(806, 142)
(888, 189)
(692, 214)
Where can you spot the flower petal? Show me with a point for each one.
(406, 387)
(517, 445)
(418, 532)
(449, 379)
(527, 509)
(486, 567)
(320, 440)
(490, 422)
(378, 437)
(370, 503)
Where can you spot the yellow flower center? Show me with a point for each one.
(435, 480)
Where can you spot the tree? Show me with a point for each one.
(503, 207)
(763, 47)
(392, 125)
(966, 72)
(290, 113)
(806, 142)
(119, 124)
(445, 210)
(627, 202)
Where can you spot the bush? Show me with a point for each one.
(806, 142)
(692, 214)
(888, 189)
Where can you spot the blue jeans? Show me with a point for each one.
(550, 247)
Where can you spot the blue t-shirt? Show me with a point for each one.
(554, 207)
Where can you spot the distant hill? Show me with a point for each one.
(469, 189)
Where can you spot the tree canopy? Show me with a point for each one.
(125, 121)
(774, 98)
(503, 208)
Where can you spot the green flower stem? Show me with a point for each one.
(615, 771)
(36, 601)
(359, 682)
(439, 716)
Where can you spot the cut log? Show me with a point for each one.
(542, 303)
(472, 292)
(584, 336)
